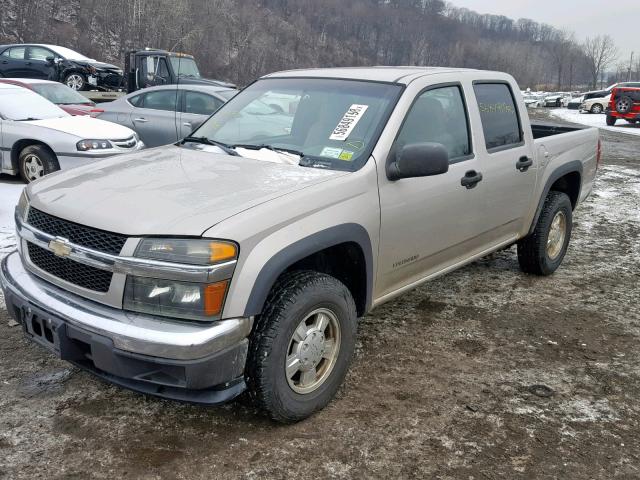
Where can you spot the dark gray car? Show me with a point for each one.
(165, 114)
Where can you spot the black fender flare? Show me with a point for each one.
(343, 233)
(574, 166)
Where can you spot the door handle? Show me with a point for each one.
(28, 63)
(524, 163)
(141, 120)
(471, 179)
(187, 124)
(4, 62)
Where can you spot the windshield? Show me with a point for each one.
(23, 104)
(185, 67)
(332, 123)
(59, 94)
(69, 54)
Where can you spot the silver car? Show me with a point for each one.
(37, 137)
(168, 113)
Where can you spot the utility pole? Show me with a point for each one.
(630, 67)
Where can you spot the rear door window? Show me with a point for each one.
(160, 100)
(200, 103)
(499, 115)
(16, 53)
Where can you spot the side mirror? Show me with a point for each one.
(50, 59)
(419, 160)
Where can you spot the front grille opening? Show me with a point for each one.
(35, 325)
(73, 272)
(48, 334)
(100, 240)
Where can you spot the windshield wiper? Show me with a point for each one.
(250, 146)
(228, 149)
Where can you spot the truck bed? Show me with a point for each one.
(541, 130)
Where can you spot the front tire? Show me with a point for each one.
(596, 108)
(301, 346)
(542, 252)
(75, 81)
(36, 161)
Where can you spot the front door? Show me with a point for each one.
(430, 223)
(36, 62)
(197, 107)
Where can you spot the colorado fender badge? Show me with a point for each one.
(60, 247)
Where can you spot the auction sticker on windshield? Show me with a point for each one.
(348, 122)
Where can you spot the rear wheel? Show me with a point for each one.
(542, 252)
(596, 108)
(36, 161)
(611, 121)
(302, 345)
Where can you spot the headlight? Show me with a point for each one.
(84, 145)
(170, 298)
(190, 251)
(22, 209)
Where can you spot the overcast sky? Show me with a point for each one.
(619, 18)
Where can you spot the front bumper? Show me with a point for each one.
(201, 363)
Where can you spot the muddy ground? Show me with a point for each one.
(485, 373)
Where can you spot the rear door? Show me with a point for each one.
(430, 223)
(508, 164)
(13, 63)
(156, 119)
(197, 106)
(36, 62)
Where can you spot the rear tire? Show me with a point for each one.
(611, 121)
(542, 252)
(36, 161)
(289, 346)
(596, 108)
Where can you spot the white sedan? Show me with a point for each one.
(37, 137)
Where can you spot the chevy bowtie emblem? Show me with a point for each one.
(60, 247)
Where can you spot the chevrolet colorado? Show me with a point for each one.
(241, 257)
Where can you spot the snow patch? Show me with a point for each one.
(595, 120)
(10, 190)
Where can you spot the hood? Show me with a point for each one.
(85, 127)
(99, 65)
(167, 190)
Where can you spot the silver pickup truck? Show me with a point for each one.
(242, 257)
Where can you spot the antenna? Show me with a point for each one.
(175, 111)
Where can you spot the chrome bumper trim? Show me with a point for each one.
(129, 331)
(140, 267)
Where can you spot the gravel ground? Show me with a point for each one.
(484, 373)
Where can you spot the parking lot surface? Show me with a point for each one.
(484, 373)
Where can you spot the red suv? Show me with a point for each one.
(624, 103)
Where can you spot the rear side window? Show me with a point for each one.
(499, 115)
(438, 115)
(200, 103)
(160, 100)
(15, 52)
(136, 100)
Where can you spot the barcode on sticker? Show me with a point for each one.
(348, 122)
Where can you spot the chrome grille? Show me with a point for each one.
(125, 143)
(79, 234)
(73, 272)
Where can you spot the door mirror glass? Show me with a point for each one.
(419, 160)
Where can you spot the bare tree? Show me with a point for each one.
(600, 52)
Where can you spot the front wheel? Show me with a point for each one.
(596, 108)
(36, 161)
(611, 121)
(542, 252)
(75, 81)
(302, 345)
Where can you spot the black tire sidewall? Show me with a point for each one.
(290, 405)
(559, 201)
(49, 161)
